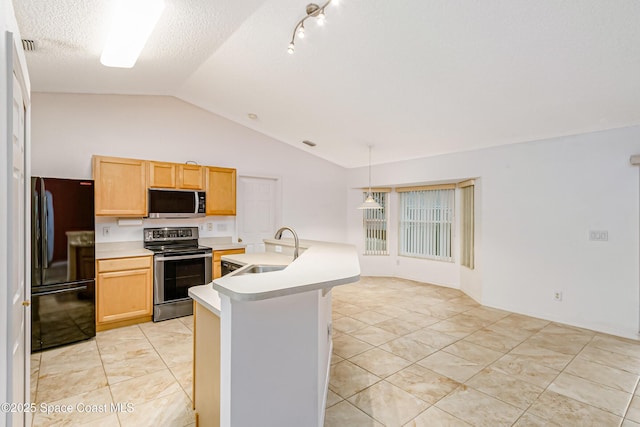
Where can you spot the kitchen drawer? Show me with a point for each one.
(120, 264)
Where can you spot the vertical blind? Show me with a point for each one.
(375, 226)
(467, 224)
(426, 222)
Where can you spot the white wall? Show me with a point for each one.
(67, 129)
(536, 203)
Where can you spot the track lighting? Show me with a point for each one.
(313, 11)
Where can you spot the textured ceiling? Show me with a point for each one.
(70, 35)
(412, 78)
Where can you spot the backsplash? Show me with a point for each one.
(109, 230)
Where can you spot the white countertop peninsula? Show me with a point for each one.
(275, 335)
(321, 266)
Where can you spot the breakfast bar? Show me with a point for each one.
(273, 338)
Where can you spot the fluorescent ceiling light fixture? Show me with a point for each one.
(132, 25)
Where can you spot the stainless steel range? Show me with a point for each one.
(179, 263)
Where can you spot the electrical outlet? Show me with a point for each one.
(599, 235)
(221, 227)
(106, 231)
(278, 248)
(557, 296)
(209, 226)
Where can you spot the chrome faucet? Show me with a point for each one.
(295, 238)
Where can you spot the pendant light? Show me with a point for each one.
(369, 202)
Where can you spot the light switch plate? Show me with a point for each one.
(598, 235)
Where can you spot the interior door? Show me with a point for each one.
(17, 255)
(258, 211)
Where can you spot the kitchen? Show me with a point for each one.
(517, 183)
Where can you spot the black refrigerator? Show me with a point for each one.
(62, 262)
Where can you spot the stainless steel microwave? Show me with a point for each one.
(176, 203)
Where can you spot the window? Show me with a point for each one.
(375, 225)
(467, 223)
(426, 221)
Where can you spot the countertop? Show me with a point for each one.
(207, 296)
(267, 258)
(121, 250)
(322, 265)
(304, 244)
(108, 250)
(218, 244)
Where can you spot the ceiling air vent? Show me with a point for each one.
(28, 45)
(309, 143)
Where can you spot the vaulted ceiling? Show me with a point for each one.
(412, 78)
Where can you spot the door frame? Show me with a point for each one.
(14, 65)
(277, 196)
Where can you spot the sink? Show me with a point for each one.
(258, 268)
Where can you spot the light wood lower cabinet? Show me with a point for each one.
(206, 366)
(124, 293)
(217, 255)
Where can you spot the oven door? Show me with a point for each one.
(175, 273)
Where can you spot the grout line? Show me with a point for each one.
(520, 342)
(626, 411)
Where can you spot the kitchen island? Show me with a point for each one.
(274, 338)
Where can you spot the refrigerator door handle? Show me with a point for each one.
(35, 226)
(43, 224)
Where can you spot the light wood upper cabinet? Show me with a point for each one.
(221, 191)
(162, 175)
(120, 186)
(190, 177)
(175, 175)
(124, 291)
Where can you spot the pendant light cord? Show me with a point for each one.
(370, 170)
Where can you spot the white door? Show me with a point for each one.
(16, 259)
(258, 211)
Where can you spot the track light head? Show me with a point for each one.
(313, 11)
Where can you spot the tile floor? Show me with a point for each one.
(405, 354)
(148, 366)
